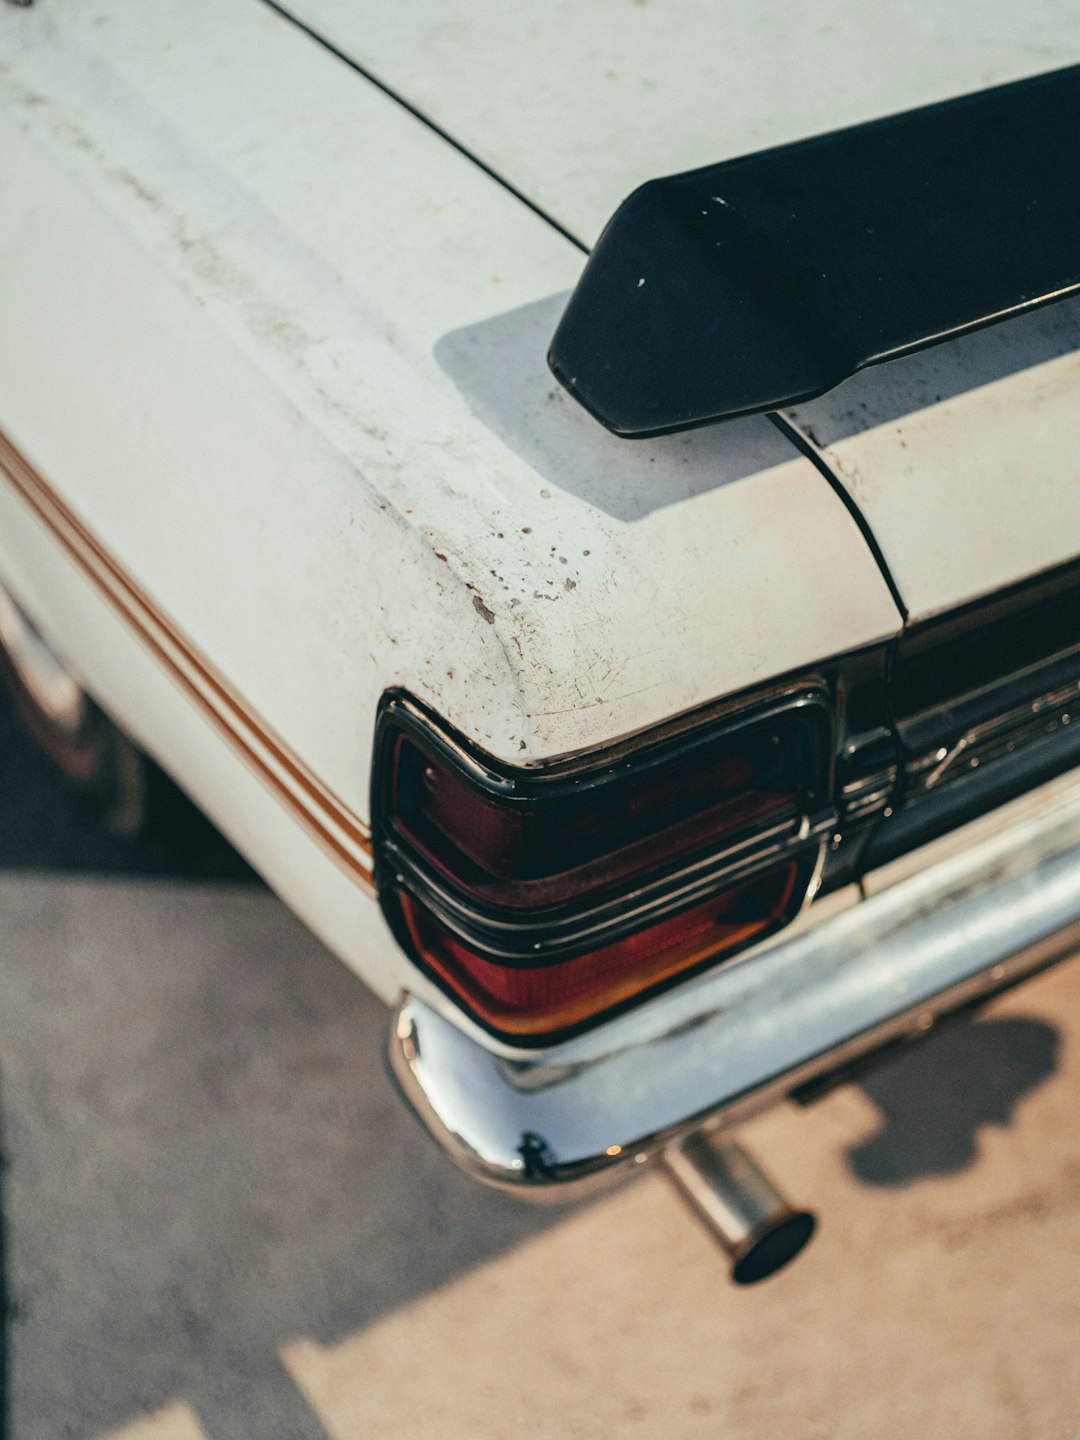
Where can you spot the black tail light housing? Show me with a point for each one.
(986, 704)
(543, 898)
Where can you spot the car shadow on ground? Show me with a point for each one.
(45, 825)
(204, 1157)
(936, 1097)
(207, 1158)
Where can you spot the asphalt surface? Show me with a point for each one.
(219, 1223)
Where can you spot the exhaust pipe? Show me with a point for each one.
(738, 1204)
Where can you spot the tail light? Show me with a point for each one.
(541, 899)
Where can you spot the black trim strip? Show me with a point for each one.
(767, 280)
(424, 118)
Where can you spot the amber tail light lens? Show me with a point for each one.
(539, 999)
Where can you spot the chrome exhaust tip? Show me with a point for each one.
(738, 1204)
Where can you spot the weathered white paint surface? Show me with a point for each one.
(579, 103)
(965, 460)
(297, 345)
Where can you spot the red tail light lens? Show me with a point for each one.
(542, 900)
(540, 999)
(545, 851)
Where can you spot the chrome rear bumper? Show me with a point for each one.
(951, 923)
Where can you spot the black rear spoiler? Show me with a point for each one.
(759, 282)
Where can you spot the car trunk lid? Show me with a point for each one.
(962, 462)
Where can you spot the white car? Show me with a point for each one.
(649, 780)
